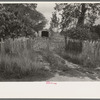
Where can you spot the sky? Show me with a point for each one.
(46, 9)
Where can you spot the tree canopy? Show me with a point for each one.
(78, 13)
(77, 18)
(20, 20)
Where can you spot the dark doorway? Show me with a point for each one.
(45, 34)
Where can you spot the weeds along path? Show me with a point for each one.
(63, 70)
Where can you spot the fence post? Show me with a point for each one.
(2, 46)
(66, 42)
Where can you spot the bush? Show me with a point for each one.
(96, 29)
(81, 33)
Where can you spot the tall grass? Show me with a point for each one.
(20, 66)
(19, 60)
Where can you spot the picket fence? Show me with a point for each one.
(15, 46)
(85, 50)
(22, 44)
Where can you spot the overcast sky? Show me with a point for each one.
(46, 9)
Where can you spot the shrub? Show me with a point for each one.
(96, 29)
(81, 33)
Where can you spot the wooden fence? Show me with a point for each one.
(85, 50)
(15, 46)
(19, 45)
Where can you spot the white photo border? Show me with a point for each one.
(41, 89)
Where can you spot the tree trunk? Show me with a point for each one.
(81, 18)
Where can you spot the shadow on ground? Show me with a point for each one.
(40, 77)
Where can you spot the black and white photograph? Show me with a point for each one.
(49, 42)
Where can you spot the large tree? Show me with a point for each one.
(81, 13)
(77, 19)
(19, 19)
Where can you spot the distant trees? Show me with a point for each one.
(40, 25)
(54, 20)
(20, 20)
(54, 23)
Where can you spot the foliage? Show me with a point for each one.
(81, 33)
(40, 25)
(54, 20)
(20, 19)
(96, 29)
(8, 25)
(78, 13)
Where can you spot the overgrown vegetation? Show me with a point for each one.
(96, 29)
(17, 20)
(42, 57)
(82, 33)
(78, 24)
(19, 60)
